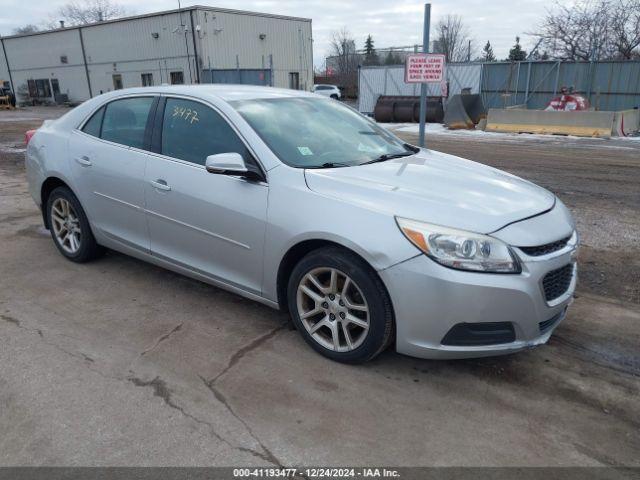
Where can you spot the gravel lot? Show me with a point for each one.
(118, 362)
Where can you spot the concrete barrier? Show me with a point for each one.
(626, 122)
(581, 124)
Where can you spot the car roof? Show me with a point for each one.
(225, 92)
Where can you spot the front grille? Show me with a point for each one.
(546, 249)
(556, 282)
(475, 334)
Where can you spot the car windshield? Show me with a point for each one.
(319, 133)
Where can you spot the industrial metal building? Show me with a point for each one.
(192, 45)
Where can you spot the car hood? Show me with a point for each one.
(437, 188)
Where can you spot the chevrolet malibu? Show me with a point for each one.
(299, 202)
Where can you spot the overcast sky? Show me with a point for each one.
(390, 22)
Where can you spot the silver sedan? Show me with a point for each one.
(301, 203)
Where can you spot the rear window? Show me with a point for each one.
(125, 121)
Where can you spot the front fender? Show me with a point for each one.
(297, 214)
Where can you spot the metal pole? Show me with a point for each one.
(84, 59)
(6, 59)
(423, 86)
(526, 95)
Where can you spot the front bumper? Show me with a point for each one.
(429, 299)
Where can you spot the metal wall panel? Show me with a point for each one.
(157, 45)
(4, 72)
(249, 41)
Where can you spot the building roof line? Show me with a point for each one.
(158, 14)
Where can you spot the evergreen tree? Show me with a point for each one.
(487, 53)
(370, 54)
(391, 59)
(517, 54)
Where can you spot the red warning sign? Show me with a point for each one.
(424, 68)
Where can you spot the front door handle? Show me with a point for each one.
(161, 185)
(84, 161)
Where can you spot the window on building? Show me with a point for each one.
(147, 79)
(40, 88)
(294, 80)
(93, 126)
(117, 82)
(125, 121)
(192, 131)
(177, 78)
(55, 85)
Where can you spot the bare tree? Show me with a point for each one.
(453, 39)
(29, 28)
(90, 11)
(625, 28)
(344, 57)
(592, 30)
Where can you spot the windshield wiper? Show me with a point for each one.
(331, 165)
(388, 156)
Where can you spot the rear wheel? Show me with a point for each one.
(334, 96)
(70, 228)
(340, 306)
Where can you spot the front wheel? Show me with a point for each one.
(70, 228)
(340, 306)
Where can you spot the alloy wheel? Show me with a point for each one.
(333, 309)
(66, 225)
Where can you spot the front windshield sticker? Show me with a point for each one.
(305, 151)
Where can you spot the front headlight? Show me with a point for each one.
(460, 249)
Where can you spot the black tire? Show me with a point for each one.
(89, 248)
(334, 96)
(381, 321)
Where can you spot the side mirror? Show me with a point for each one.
(226, 163)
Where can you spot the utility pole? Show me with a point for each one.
(423, 86)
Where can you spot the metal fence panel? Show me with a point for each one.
(612, 86)
(389, 80)
(609, 86)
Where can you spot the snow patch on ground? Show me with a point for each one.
(438, 129)
(11, 147)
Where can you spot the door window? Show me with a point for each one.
(125, 121)
(192, 131)
(92, 127)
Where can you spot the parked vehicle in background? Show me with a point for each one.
(303, 204)
(331, 91)
(7, 98)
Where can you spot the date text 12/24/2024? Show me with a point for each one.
(318, 472)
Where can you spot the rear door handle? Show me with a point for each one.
(84, 161)
(161, 185)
